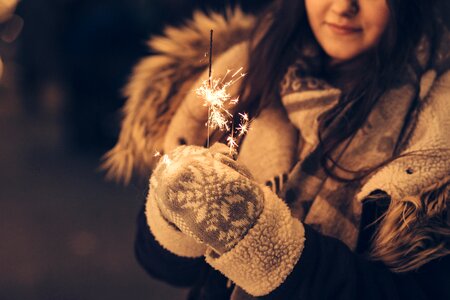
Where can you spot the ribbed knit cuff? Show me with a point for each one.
(263, 259)
(167, 235)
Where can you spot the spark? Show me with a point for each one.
(214, 92)
(218, 120)
(231, 142)
(244, 125)
(238, 72)
(234, 101)
(244, 116)
(165, 158)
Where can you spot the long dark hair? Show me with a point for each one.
(286, 30)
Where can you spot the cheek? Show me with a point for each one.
(315, 10)
(375, 22)
(373, 18)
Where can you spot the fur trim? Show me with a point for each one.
(159, 84)
(263, 259)
(167, 235)
(415, 229)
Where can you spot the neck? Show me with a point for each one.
(345, 74)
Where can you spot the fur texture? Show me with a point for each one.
(263, 259)
(160, 82)
(415, 229)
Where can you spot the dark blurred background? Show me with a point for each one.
(65, 232)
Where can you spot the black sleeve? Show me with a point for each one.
(327, 269)
(163, 265)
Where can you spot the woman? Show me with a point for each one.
(341, 186)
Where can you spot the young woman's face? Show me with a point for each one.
(347, 28)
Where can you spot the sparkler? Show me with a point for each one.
(216, 97)
(214, 92)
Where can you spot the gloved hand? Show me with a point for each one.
(207, 195)
(249, 232)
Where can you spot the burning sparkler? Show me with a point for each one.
(214, 92)
(217, 99)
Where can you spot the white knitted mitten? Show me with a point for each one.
(168, 235)
(250, 234)
(207, 195)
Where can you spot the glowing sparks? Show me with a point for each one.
(244, 125)
(218, 119)
(231, 142)
(216, 97)
(244, 117)
(238, 71)
(214, 92)
(165, 158)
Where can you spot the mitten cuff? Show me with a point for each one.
(263, 259)
(169, 237)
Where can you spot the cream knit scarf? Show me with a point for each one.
(281, 150)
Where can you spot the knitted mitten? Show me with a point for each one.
(207, 195)
(162, 227)
(167, 234)
(250, 234)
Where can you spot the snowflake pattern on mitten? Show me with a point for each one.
(207, 195)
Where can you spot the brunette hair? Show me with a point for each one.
(284, 30)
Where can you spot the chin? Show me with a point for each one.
(340, 55)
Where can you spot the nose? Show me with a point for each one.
(345, 8)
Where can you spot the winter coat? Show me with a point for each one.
(412, 257)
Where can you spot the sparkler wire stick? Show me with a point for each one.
(210, 55)
(232, 141)
(209, 78)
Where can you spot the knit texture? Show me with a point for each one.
(167, 235)
(318, 200)
(268, 154)
(207, 195)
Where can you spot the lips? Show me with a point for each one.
(343, 29)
